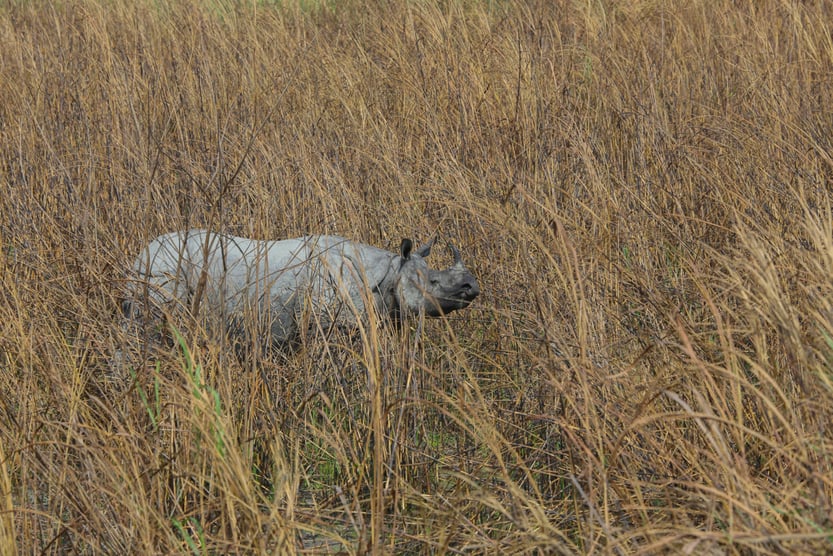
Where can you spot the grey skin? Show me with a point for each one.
(291, 284)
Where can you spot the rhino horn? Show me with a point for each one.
(456, 253)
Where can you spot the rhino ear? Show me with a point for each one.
(406, 248)
(425, 250)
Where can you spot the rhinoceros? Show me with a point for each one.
(290, 284)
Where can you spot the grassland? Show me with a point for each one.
(643, 189)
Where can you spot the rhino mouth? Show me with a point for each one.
(466, 293)
(460, 299)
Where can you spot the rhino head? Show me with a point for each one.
(434, 292)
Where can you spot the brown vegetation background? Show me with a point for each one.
(643, 189)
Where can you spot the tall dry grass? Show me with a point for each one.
(643, 189)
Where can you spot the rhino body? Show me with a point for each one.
(293, 284)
